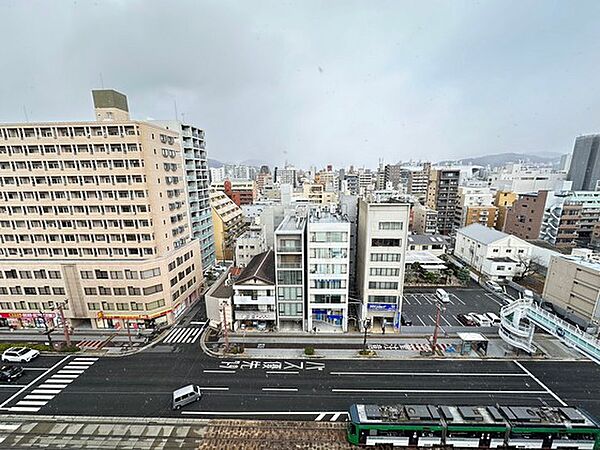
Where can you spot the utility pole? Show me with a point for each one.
(439, 308)
(64, 323)
(225, 331)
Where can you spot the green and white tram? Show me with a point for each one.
(421, 426)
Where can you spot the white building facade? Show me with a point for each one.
(492, 253)
(328, 263)
(381, 252)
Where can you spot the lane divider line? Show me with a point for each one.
(542, 385)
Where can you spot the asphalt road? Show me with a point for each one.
(142, 385)
(420, 305)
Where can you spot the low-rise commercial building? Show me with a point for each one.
(492, 253)
(254, 304)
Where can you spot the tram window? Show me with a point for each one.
(352, 428)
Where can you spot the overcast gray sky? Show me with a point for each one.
(317, 82)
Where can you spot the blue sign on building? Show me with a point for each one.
(382, 306)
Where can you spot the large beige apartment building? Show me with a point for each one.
(95, 213)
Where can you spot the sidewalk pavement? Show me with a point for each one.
(389, 347)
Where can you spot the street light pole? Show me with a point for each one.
(47, 332)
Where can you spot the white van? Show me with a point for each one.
(527, 294)
(442, 295)
(494, 318)
(481, 320)
(186, 395)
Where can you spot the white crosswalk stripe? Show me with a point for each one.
(183, 335)
(332, 417)
(41, 394)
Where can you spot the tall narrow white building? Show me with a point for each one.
(328, 264)
(381, 249)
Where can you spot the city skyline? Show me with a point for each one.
(390, 80)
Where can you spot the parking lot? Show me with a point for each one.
(420, 306)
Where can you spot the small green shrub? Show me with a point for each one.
(309, 350)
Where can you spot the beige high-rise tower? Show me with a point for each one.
(95, 213)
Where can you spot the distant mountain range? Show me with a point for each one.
(215, 163)
(505, 158)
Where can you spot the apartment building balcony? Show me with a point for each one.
(258, 300)
(289, 249)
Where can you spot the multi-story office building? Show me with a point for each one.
(328, 261)
(524, 218)
(249, 244)
(474, 205)
(290, 250)
(418, 181)
(381, 251)
(584, 170)
(286, 175)
(424, 219)
(228, 224)
(317, 194)
(95, 213)
(217, 174)
(570, 218)
(197, 182)
(442, 195)
(242, 192)
(573, 285)
(393, 174)
(503, 200)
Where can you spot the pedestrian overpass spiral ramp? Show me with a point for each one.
(518, 322)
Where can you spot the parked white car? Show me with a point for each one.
(493, 286)
(19, 354)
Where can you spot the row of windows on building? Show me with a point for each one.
(28, 306)
(126, 306)
(30, 290)
(69, 149)
(130, 194)
(330, 269)
(328, 253)
(180, 260)
(74, 238)
(75, 224)
(30, 274)
(60, 252)
(73, 164)
(118, 291)
(184, 287)
(74, 209)
(328, 236)
(81, 180)
(68, 131)
(386, 257)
